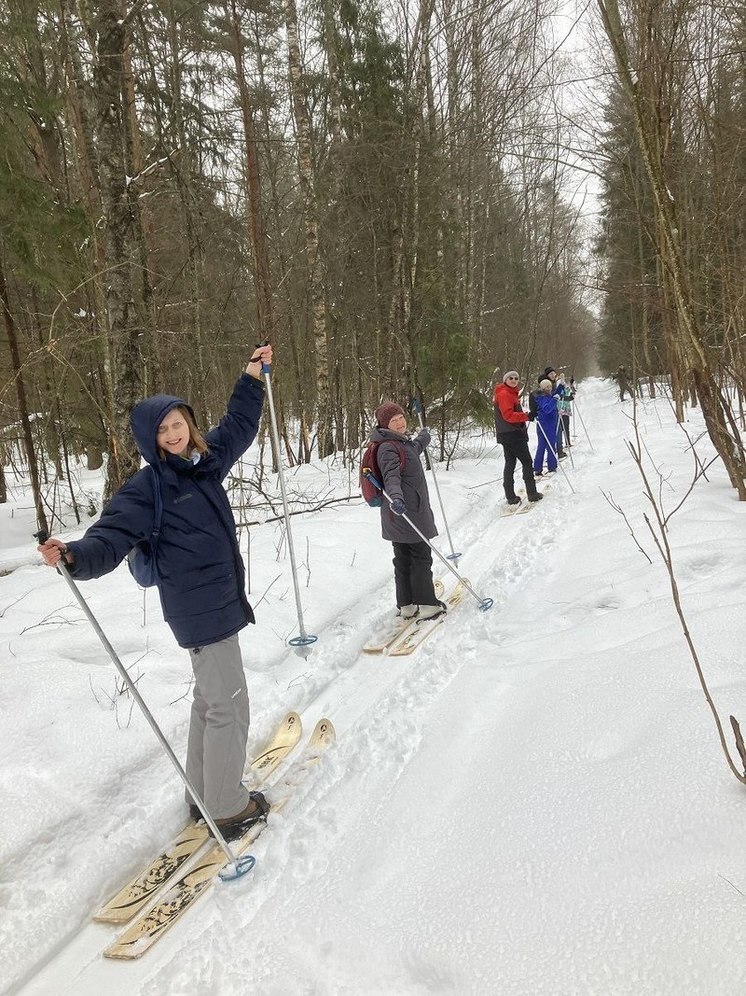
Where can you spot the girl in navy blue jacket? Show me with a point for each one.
(201, 576)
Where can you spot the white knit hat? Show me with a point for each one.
(510, 373)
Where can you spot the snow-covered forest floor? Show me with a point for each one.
(535, 802)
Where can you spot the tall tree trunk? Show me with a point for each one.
(185, 187)
(120, 244)
(142, 222)
(87, 166)
(302, 121)
(28, 440)
(259, 248)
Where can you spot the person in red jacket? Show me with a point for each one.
(511, 429)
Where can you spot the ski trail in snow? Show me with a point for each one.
(382, 708)
(373, 701)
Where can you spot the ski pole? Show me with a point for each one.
(417, 408)
(484, 603)
(236, 867)
(577, 412)
(554, 453)
(304, 640)
(561, 429)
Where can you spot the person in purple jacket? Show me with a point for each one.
(201, 577)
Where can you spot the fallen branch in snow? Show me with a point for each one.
(15, 600)
(186, 693)
(473, 487)
(121, 691)
(316, 507)
(739, 740)
(51, 619)
(266, 590)
(731, 884)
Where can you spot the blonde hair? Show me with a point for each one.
(197, 442)
(196, 439)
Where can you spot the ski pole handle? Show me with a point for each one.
(266, 367)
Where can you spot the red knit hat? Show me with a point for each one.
(385, 412)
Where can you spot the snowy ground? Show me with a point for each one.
(535, 802)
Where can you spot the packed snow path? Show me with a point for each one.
(533, 803)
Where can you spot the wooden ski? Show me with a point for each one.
(141, 935)
(128, 902)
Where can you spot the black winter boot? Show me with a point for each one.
(236, 826)
(536, 496)
(513, 499)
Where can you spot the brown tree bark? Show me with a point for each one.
(23, 411)
(120, 243)
(301, 117)
(259, 248)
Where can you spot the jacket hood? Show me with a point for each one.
(145, 418)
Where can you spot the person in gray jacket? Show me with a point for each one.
(398, 458)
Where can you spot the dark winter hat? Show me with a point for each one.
(510, 373)
(549, 370)
(385, 412)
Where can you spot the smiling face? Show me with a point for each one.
(173, 434)
(398, 424)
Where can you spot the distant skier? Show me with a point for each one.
(398, 459)
(511, 430)
(546, 427)
(623, 384)
(558, 388)
(566, 396)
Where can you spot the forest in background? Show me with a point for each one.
(388, 193)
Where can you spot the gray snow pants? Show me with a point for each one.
(218, 728)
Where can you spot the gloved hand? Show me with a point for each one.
(424, 436)
(398, 507)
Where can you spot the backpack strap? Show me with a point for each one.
(158, 510)
(400, 448)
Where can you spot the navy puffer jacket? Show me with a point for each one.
(202, 577)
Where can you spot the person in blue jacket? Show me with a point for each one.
(201, 577)
(558, 390)
(546, 427)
